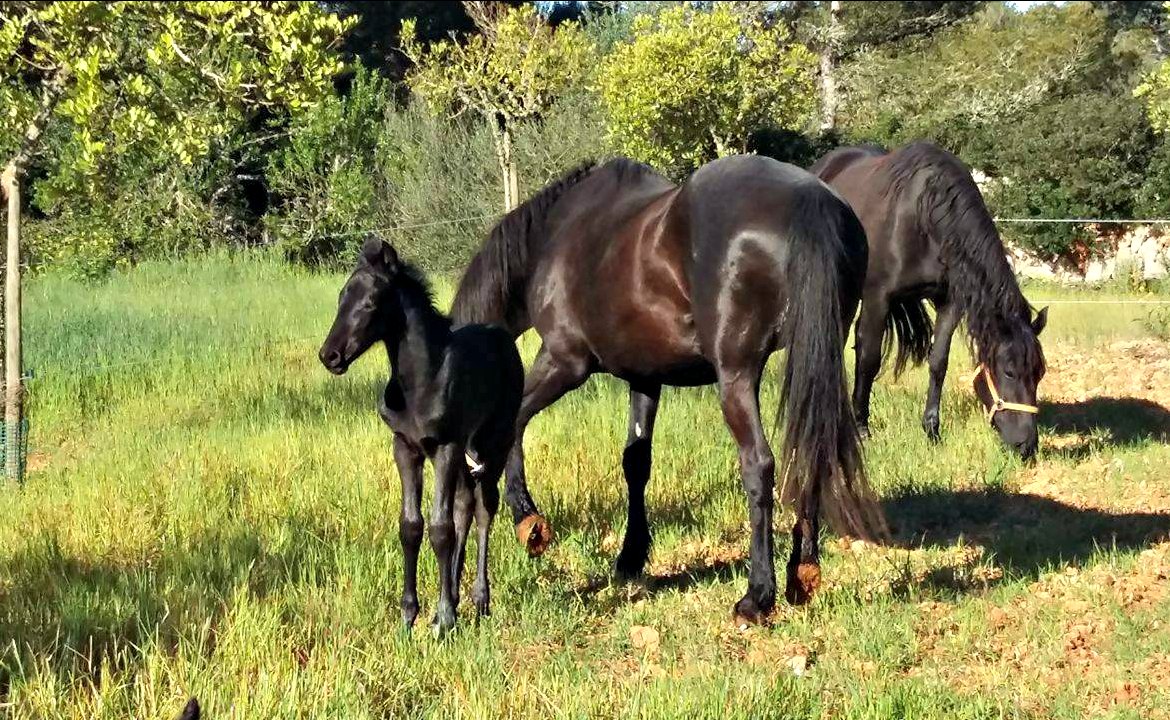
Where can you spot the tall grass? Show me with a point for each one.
(210, 513)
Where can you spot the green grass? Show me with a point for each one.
(210, 513)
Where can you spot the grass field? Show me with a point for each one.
(208, 512)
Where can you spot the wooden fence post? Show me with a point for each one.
(12, 365)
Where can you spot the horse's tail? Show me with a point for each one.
(822, 451)
(910, 326)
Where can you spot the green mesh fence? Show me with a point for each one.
(21, 445)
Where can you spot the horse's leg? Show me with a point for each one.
(448, 460)
(487, 502)
(739, 393)
(940, 352)
(464, 512)
(546, 383)
(871, 326)
(410, 525)
(804, 564)
(636, 465)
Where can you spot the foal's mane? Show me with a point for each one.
(978, 276)
(496, 277)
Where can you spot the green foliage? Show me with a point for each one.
(695, 84)
(516, 68)
(1000, 66)
(325, 180)
(176, 75)
(1082, 156)
(1155, 90)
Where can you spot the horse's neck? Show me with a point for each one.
(417, 351)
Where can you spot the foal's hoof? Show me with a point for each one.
(803, 581)
(930, 425)
(863, 431)
(442, 624)
(749, 611)
(535, 534)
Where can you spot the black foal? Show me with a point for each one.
(453, 395)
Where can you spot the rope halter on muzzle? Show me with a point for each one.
(997, 401)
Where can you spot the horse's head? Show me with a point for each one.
(1007, 379)
(362, 307)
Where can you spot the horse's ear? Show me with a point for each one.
(389, 257)
(372, 250)
(1040, 320)
(380, 254)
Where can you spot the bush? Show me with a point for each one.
(324, 182)
(1081, 156)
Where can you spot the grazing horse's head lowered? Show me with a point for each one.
(362, 317)
(1006, 382)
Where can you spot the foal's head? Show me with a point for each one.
(1006, 385)
(365, 308)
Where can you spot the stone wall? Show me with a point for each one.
(1143, 252)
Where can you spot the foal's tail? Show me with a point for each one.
(822, 452)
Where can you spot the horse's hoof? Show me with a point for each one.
(803, 582)
(749, 611)
(535, 534)
(630, 563)
(863, 432)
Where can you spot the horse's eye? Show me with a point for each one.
(1009, 374)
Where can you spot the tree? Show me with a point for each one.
(509, 74)
(121, 74)
(1155, 89)
(991, 69)
(693, 84)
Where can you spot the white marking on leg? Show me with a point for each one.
(637, 430)
(471, 463)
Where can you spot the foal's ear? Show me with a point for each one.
(1040, 320)
(380, 254)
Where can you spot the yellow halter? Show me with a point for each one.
(997, 401)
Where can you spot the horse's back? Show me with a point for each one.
(750, 219)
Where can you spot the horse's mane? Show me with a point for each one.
(978, 276)
(496, 277)
(415, 291)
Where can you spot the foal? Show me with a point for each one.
(453, 396)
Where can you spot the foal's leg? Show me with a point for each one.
(739, 393)
(464, 512)
(410, 525)
(546, 383)
(448, 461)
(871, 327)
(940, 352)
(487, 502)
(636, 464)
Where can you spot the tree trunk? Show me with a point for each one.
(502, 137)
(830, 53)
(10, 186)
(511, 175)
(12, 365)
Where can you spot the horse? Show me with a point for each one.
(932, 238)
(453, 396)
(621, 271)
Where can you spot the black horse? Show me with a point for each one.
(932, 238)
(453, 396)
(621, 271)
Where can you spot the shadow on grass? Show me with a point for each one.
(1122, 420)
(1026, 533)
(84, 616)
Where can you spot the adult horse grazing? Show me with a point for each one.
(453, 396)
(621, 271)
(931, 238)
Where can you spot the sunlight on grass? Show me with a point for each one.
(211, 513)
